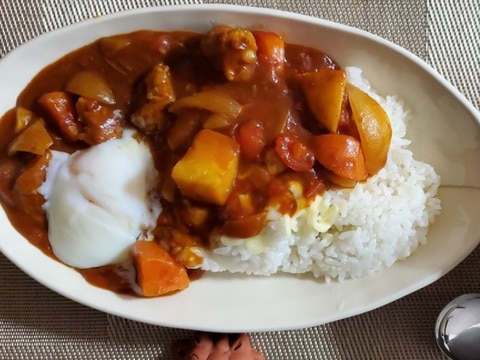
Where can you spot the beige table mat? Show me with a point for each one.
(36, 323)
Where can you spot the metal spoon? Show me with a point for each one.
(457, 329)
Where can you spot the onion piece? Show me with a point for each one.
(112, 44)
(216, 101)
(216, 121)
(91, 85)
(373, 126)
(34, 139)
(23, 117)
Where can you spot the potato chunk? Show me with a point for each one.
(208, 169)
(324, 91)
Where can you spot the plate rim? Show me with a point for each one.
(9, 253)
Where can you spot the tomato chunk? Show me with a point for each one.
(251, 139)
(294, 153)
(245, 227)
(341, 154)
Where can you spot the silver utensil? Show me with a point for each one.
(457, 329)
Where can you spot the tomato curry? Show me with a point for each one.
(233, 118)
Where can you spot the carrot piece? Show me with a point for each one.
(271, 48)
(157, 272)
(60, 108)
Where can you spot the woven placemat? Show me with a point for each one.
(36, 323)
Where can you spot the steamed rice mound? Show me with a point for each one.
(345, 233)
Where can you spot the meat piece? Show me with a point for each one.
(149, 117)
(232, 51)
(159, 94)
(101, 122)
(159, 85)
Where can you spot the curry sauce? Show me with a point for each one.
(182, 92)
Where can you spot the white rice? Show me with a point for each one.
(346, 233)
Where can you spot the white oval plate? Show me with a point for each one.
(445, 132)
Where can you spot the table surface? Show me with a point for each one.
(36, 323)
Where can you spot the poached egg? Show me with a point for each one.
(100, 200)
